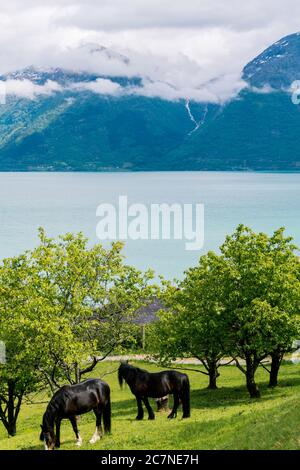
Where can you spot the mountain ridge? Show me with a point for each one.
(68, 130)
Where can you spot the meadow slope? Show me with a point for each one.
(221, 419)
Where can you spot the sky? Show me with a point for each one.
(191, 49)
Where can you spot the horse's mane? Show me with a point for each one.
(54, 404)
(138, 369)
(129, 367)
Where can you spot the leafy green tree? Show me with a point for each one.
(193, 322)
(242, 303)
(260, 296)
(19, 329)
(64, 307)
(284, 344)
(89, 298)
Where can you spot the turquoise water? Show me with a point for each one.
(63, 202)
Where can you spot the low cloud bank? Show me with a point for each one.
(180, 50)
(211, 93)
(28, 89)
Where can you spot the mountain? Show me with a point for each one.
(75, 128)
(254, 132)
(259, 129)
(278, 66)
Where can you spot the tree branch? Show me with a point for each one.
(264, 367)
(238, 365)
(96, 360)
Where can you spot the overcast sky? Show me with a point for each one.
(182, 48)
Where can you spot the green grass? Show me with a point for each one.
(221, 419)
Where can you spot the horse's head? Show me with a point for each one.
(48, 437)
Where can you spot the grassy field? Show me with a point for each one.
(221, 419)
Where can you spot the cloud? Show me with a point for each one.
(100, 86)
(266, 90)
(24, 88)
(28, 89)
(178, 49)
(216, 91)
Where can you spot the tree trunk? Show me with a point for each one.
(250, 378)
(11, 423)
(275, 366)
(12, 429)
(77, 373)
(213, 375)
(13, 409)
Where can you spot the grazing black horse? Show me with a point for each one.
(144, 384)
(71, 401)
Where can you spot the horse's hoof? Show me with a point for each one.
(171, 416)
(93, 441)
(186, 416)
(151, 417)
(95, 437)
(57, 445)
(79, 443)
(139, 418)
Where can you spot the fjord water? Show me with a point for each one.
(67, 202)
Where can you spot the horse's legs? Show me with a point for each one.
(57, 437)
(185, 400)
(140, 414)
(149, 409)
(173, 413)
(98, 433)
(75, 429)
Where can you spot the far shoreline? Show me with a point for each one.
(130, 172)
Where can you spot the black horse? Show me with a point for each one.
(71, 401)
(144, 384)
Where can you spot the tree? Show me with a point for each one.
(260, 297)
(89, 298)
(18, 330)
(284, 344)
(64, 307)
(243, 303)
(193, 323)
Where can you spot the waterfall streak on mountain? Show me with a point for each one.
(198, 124)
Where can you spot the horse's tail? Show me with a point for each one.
(107, 415)
(186, 397)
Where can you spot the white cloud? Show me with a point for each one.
(28, 89)
(196, 48)
(217, 91)
(265, 90)
(100, 86)
(214, 92)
